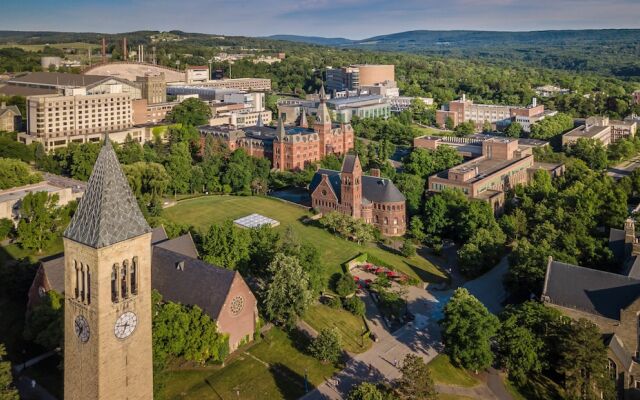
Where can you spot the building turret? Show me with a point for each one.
(351, 185)
(303, 123)
(322, 125)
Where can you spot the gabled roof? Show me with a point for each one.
(54, 272)
(13, 109)
(377, 190)
(616, 346)
(187, 280)
(182, 245)
(158, 235)
(108, 212)
(616, 242)
(589, 290)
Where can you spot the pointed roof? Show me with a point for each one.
(323, 94)
(280, 129)
(108, 212)
(323, 116)
(303, 120)
(349, 163)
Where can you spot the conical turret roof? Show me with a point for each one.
(108, 212)
(280, 129)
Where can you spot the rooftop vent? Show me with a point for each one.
(180, 265)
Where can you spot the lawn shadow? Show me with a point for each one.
(299, 340)
(290, 383)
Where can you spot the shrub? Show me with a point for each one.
(327, 347)
(408, 248)
(334, 302)
(354, 305)
(6, 227)
(345, 285)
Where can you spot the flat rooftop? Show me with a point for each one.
(255, 221)
(485, 168)
(583, 132)
(20, 192)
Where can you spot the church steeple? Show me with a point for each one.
(282, 133)
(108, 212)
(303, 120)
(323, 116)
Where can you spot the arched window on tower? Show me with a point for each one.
(83, 283)
(77, 289)
(123, 280)
(114, 283)
(88, 285)
(134, 276)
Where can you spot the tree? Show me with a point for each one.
(465, 128)
(191, 112)
(130, 151)
(583, 362)
(38, 224)
(44, 324)
(7, 390)
(185, 331)
(327, 346)
(6, 227)
(518, 350)
(448, 123)
(365, 391)
(467, 330)
(287, 295)
(178, 166)
(15, 173)
(486, 127)
(590, 151)
(412, 186)
(354, 305)
(226, 245)
(482, 251)
(514, 130)
(551, 126)
(408, 249)
(415, 382)
(416, 228)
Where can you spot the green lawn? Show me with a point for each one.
(204, 211)
(15, 252)
(433, 131)
(282, 377)
(445, 373)
(350, 326)
(537, 387)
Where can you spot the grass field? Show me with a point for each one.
(350, 326)
(204, 211)
(40, 47)
(433, 131)
(443, 372)
(15, 252)
(272, 369)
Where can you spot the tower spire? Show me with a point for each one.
(108, 212)
(281, 131)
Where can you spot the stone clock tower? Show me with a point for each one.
(107, 319)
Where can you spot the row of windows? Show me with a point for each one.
(393, 207)
(124, 280)
(385, 220)
(82, 290)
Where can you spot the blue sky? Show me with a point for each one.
(355, 19)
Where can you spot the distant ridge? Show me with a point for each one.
(312, 40)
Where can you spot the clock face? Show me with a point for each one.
(125, 325)
(81, 327)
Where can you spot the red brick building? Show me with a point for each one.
(288, 147)
(376, 200)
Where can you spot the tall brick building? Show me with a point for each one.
(376, 200)
(289, 148)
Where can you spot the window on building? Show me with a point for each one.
(77, 289)
(123, 280)
(114, 283)
(134, 276)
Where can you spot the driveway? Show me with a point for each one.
(625, 168)
(421, 338)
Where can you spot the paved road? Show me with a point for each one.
(421, 338)
(625, 168)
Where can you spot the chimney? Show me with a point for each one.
(464, 97)
(104, 50)
(375, 172)
(125, 52)
(534, 102)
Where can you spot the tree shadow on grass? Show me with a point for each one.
(290, 383)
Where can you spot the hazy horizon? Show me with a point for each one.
(353, 19)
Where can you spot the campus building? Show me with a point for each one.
(10, 118)
(609, 300)
(288, 147)
(153, 88)
(358, 76)
(374, 199)
(246, 84)
(112, 260)
(504, 163)
(342, 109)
(499, 116)
(601, 129)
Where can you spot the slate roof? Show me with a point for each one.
(614, 343)
(197, 282)
(349, 163)
(592, 291)
(15, 90)
(108, 212)
(616, 242)
(377, 190)
(54, 272)
(182, 245)
(158, 235)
